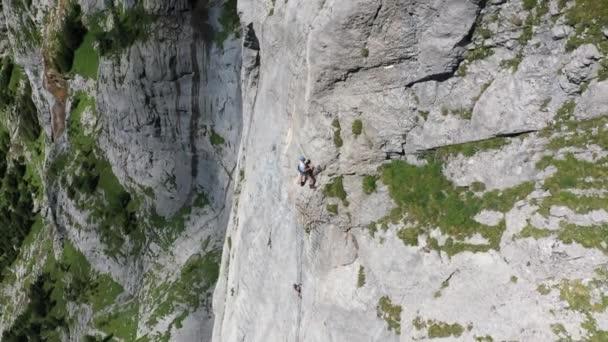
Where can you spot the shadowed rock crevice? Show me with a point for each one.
(441, 77)
(516, 134)
(195, 112)
(251, 40)
(199, 20)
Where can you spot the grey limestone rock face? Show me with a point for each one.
(560, 31)
(165, 114)
(165, 98)
(162, 104)
(592, 103)
(581, 67)
(422, 79)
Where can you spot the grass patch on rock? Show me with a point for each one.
(513, 63)
(357, 127)
(576, 184)
(529, 4)
(338, 142)
(335, 189)
(332, 209)
(589, 237)
(16, 75)
(391, 313)
(45, 315)
(469, 149)
(463, 113)
(86, 58)
(566, 111)
(579, 296)
(479, 53)
(594, 237)
(229, 21)
(573, 173)
(586, 297)
(85, 285)
(369, 184)
(582, 134)
(437, 329)
(361, 277)
(409, 236)
(442, 330)
(427, 199)
(543, 289)
(589, 18)
(121, 322)
(169, 228)
(188, 292)
(19, 186)
(533, 232)
(64, 41)
(76, 132)
(216, 139)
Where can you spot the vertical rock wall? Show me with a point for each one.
(163, 113)
(419, 226)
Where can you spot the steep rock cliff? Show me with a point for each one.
(461, 194)
(148, 154)
(140, 109)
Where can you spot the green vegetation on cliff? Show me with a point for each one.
(189, 291)
(169, 228)
(589, 18)
(69, 48)
(91, 183)
(216, 139)
(129, 26)
(121, 322)
(42, 317)
(338, 142)
(437, 329)
(16, 206)
(86, 58)
(27, 35)
(369, 184)
(20, 158)
(391, 313)
(67, 280)
(66, 39)
(229, 21)
(172, 297)
(357, 127)
(335, 189)
(361, 277)
(576, 183)
(427, 199)
(586, 297)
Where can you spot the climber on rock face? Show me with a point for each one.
(306, 170)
